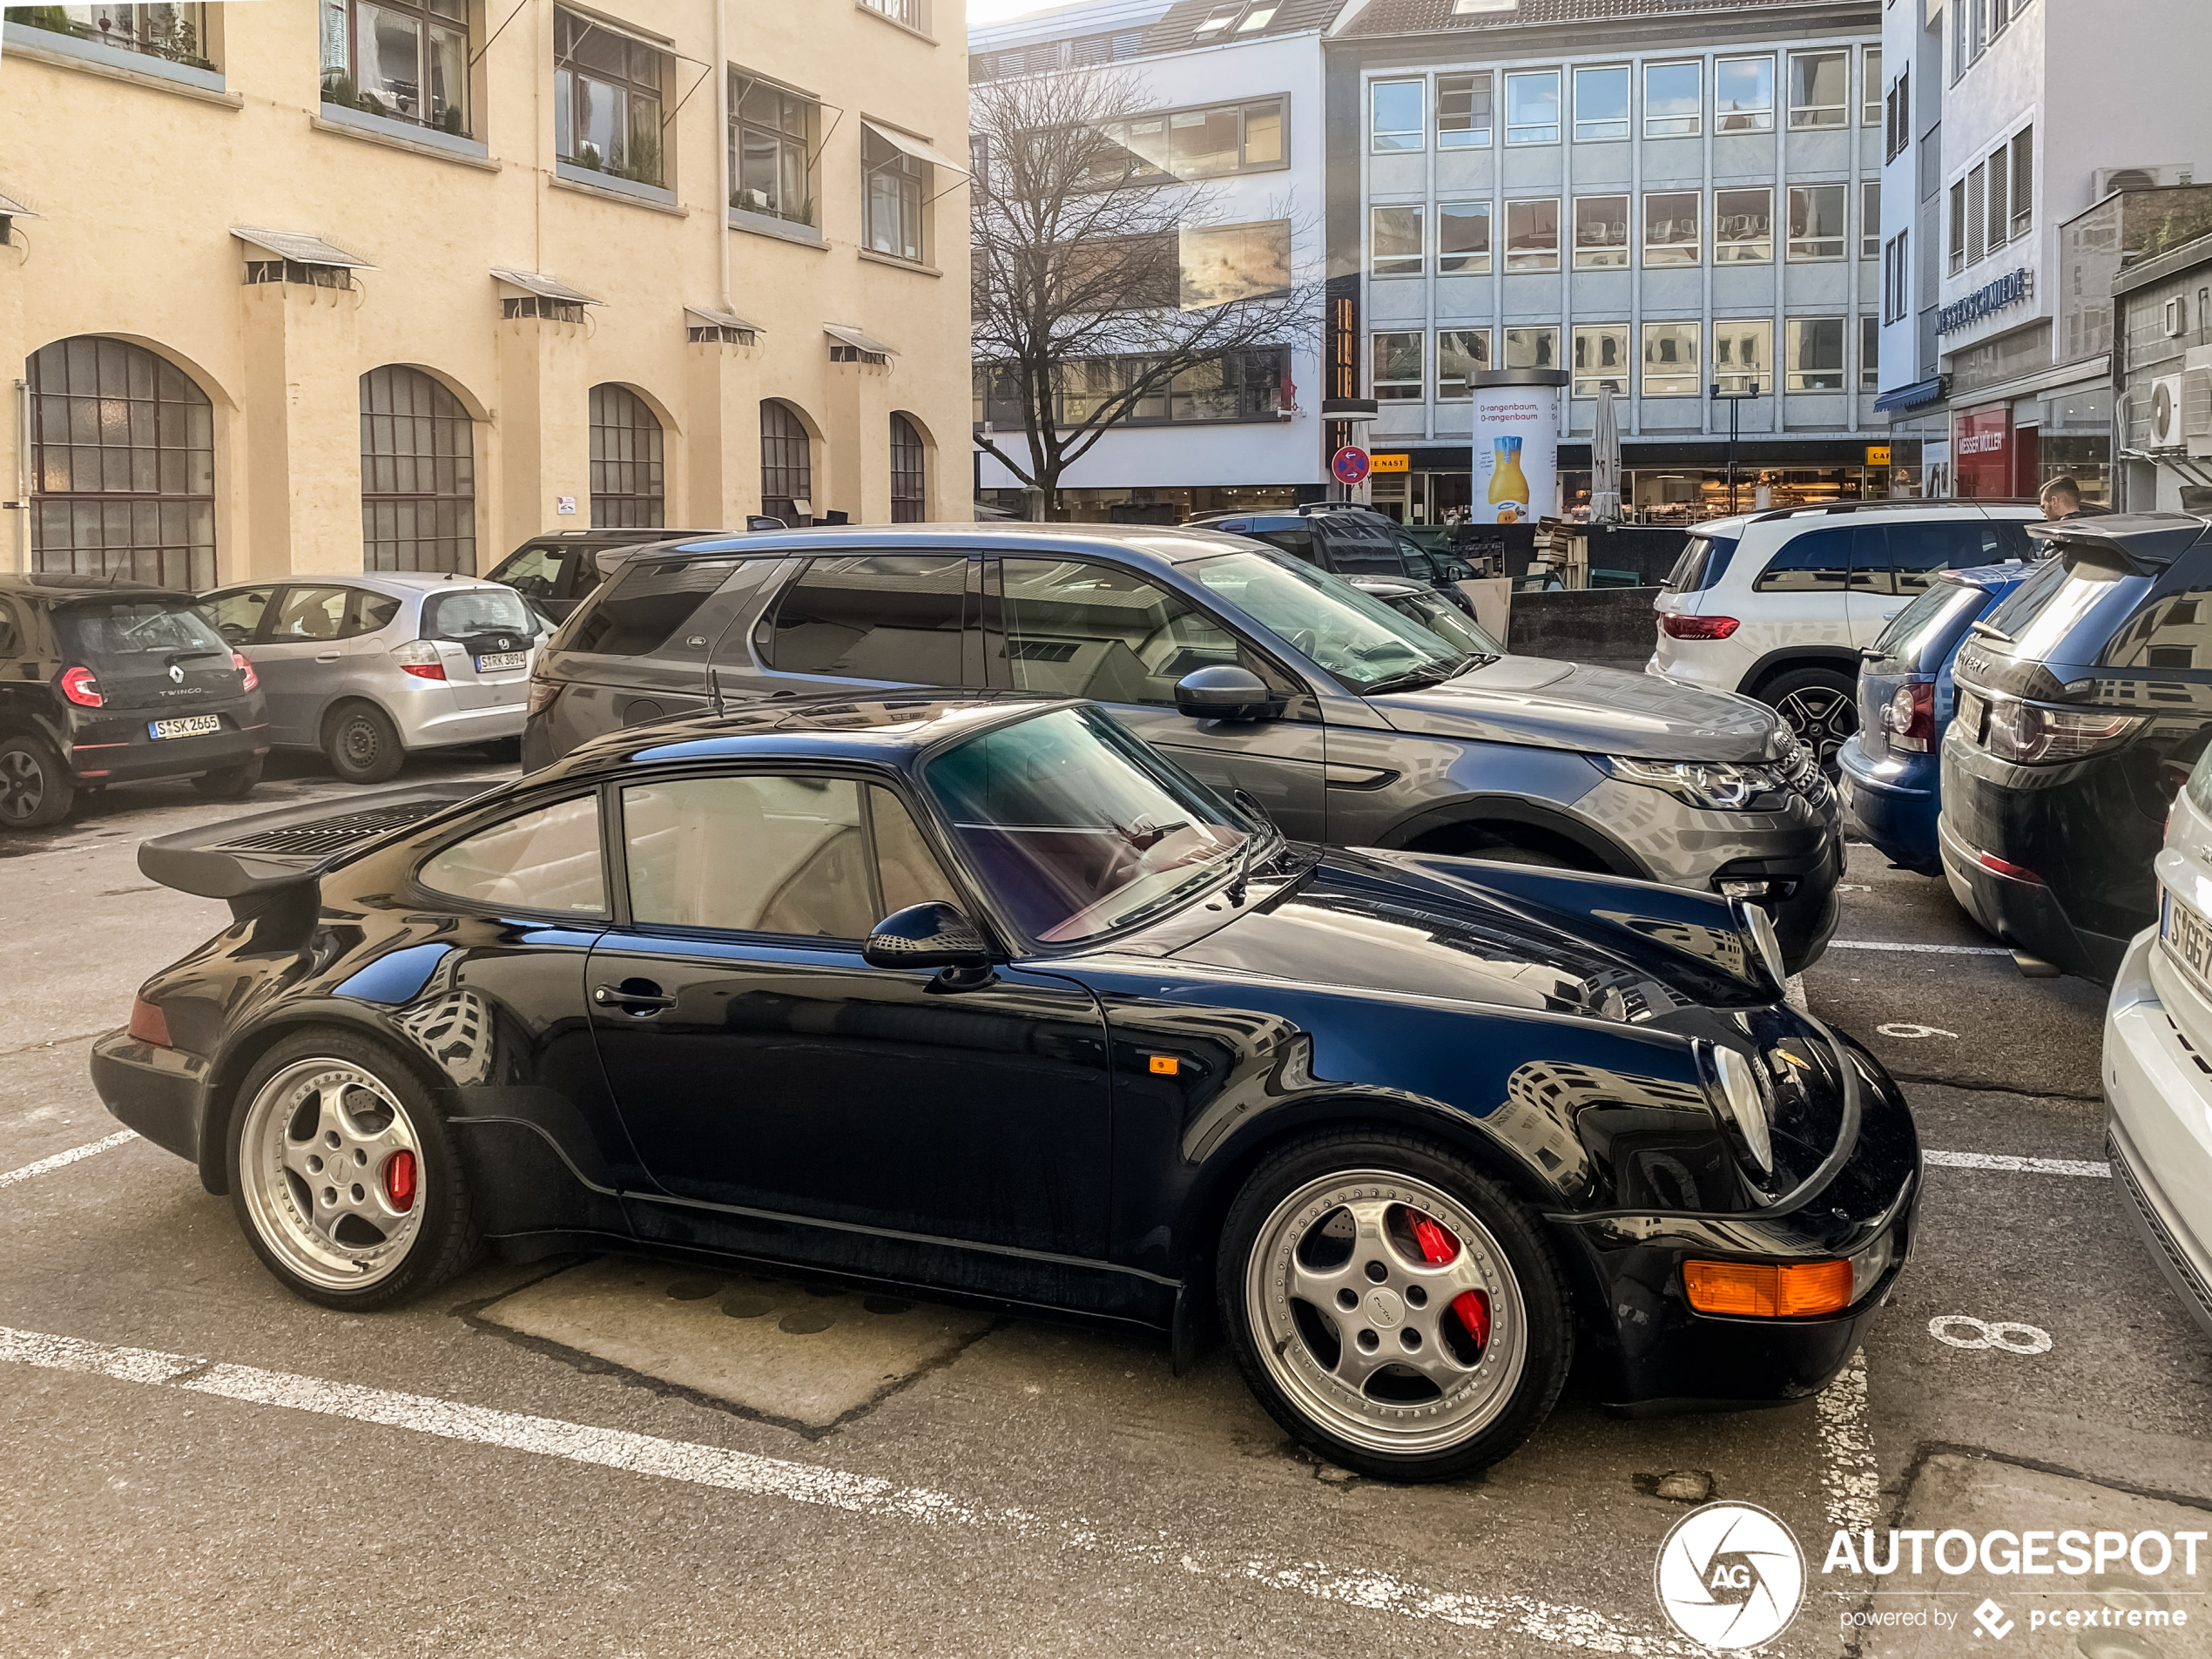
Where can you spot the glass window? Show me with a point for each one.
(1219, 263)
(817, 858)
(1601, 104)
(1870, 219)
(418, 475)
(1815, 355)
(1398, 368)
(372, 612)
(1394, 242)
(1461, 352)
(629, 473)
(1079, 629)
(1462, 237)
(1819, 90)
(1817, 562)
(1532, 107)
(1671, 359)
(1674, 100)
(1463, 111)
(1743, 227)
(1600, 358)
(1744, 356)
(1076, 827)
(177, 32)
(1532, 235)
(642, 606)
(1743, 94)
(909, 472)
(1396, 107)
(1671, 231)
(1600, 233)
(607, 90)
(1977, 222)
(2000, 208)
(1870, 352)
(309, 613)
(896, 190)
(534, 572)
(1958, 227)
(406, 60)
(895, 617)
(1532, 349)
(1206, 143)
(473, 611)
(2024, 181)
(547, 859)
(1817, 221)
(787, 464)
(1921, 551)
(771, 141)
(1870, 88)
(1352, 635)
(107, 633)
(238, 616)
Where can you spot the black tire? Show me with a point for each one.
(1288, 1197)
(35, 787)
(362, 744)
(1505, 852)
(506, 751)
(1820, 704)
(443, 1238)
(232, 783)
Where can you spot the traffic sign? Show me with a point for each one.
(1351, 465)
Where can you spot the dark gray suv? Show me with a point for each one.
(1350, 722)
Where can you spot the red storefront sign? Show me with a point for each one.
(1981, 452)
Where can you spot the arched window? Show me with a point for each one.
(908, 467)
(787, 465)
(123, 465)
(418, 475)
(629, 470)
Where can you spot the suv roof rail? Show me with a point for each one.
(1897, 505)
(1307, 507)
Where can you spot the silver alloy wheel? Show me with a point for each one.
(316, 1154)
(1823, 720)
(22, 785)
(1358, 1328)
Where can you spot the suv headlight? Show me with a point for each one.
(1765, 945)
(1717, 786)
(1740, 1095)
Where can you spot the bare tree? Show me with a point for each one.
(1099, 275)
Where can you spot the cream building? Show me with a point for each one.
(295, 286)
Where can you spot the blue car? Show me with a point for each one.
(1889, 765)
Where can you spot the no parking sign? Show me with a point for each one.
(1351, 465)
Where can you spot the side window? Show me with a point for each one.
(372, 612)
(2174, 632)
(645, 605)
(1078, 629)
(1870, 560)
(1297, 544)
(309, 613)
(821, 857)
(1418, 565)
(547, 859)
(1817, 562)
(1363, 549)
(238, 616)
(534, 572)
(1921, 550)
(891, 617)
(11, 632)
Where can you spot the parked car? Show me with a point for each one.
(2083, 700)
(369, 669)
(1892, 767)
(1425, 605)
(556, 571)
(984, 995)
(1353, 542)
(1776, 605)
(1352, 723)
(117, 682)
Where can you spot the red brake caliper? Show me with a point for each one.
(1472, 1306)
(399, 1180)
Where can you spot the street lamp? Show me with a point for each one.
(1751, 390)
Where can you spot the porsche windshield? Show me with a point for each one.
(1076, 827)
(1354, 635)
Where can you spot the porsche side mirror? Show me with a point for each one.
(928, 935)
(1224, 691)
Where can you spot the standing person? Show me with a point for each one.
(2061, 499)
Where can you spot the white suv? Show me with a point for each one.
(1777, 604)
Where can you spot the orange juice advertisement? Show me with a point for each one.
(1516, 452)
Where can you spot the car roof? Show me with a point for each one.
(604, 536)
(49, 584)
(1165, 544)
(1992, 576)
(1792, 518)
(401, 584)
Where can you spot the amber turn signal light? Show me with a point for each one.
(1749, 1290)
(149, 1023)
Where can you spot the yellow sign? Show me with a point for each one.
(1392, 464)
(1878, 454)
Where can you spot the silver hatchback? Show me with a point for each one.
(367, 669)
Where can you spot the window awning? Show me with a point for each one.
(858, 340)
(10, 208)
(911, 146)
(545, 287)
(299, 248)
(1912, 397)
(702, 317)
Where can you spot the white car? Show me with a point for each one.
(2158, 1058)
(1776, 605)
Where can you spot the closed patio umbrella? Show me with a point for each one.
(1605, 460)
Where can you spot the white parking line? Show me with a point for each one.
(714, 1466)
(45, 1165)
(1848, 1473)
(2017, 1166)
(1920, 950)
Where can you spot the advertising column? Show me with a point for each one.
(1516, 444)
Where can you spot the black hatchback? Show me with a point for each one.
(2083, 700)
(116, 682)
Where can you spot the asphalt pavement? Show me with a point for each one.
(615, 1456)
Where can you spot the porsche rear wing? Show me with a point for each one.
(249, 860)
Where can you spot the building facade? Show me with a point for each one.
(2162, 371)
(1666, 197)
(2013, 130)
(396, 286)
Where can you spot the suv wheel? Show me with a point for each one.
(1820, 704)
(361, 744)
(35, 791)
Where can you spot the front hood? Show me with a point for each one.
(1550, 704)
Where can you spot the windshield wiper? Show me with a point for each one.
(1414, 677)
(1990, 631)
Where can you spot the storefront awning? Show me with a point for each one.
(1912, 397)
(299, 248)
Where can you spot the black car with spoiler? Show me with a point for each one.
(982, 996)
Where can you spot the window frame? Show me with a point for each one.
(1765, 244)
(1746, 118)
(1696, 246)
(1480, 81)
(911, 184)
(1738, 378)
(806, 143)
(969, 635)
(648, 469)
(1418, 132)
(1870, 352)
(565, 68)
(1376, 383)
(1507, 331)
(1870, 79)
(1520, 77)
(1955, 217)
(614, 899)
(394, 508)
(2022, 151)
(1525, 268)
(341, 83)
(1841, 241)
(1695, 118)
(1795, 373)
(1119, 132)
(1692, 376)
(1625, 121)
(1466, 392)
(1870, 224)
(1375, 256)
(1593, 256)
(1580, 377)
(1807, 118)
(1472, 263)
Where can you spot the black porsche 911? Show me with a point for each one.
(984, 997)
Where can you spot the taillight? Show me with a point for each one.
(2030, 734)
(149, 1024)
(248, 680)
(1910, 717)
(420, 658)
(542, 695)
(1698, 627)
(82, 687)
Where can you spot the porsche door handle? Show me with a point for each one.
(641, 1000)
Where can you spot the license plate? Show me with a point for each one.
(190, 725)
(1971, 710)
(500, 659)
(2188, 937)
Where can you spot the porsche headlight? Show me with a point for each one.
(1715, 786)
(1764, 943)
(1734, 1084)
